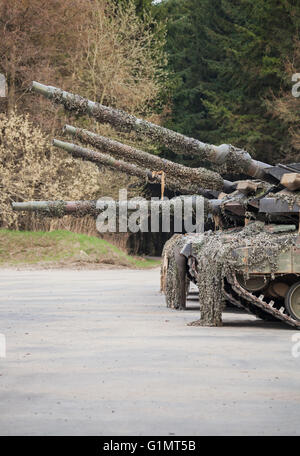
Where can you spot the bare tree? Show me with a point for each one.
(121, 61)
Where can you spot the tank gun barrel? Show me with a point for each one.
(173, 182)
(120, 120)
(198, 177)
(106, 160)
(61, 208)
(95, 207)
(56, 208)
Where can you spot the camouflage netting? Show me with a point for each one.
(122, 121)
(217, 259)
(130, 169)
(171, 276)
(174, 207)
(58, 209)
(290, 198)
(178, 176)
(235, 160)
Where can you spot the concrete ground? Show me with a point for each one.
(98, 353)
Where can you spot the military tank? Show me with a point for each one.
(248, 255)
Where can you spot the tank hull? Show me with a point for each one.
(253, 275)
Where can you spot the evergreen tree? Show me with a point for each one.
(142, 6)
(228, 57)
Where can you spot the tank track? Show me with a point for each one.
(240, 297)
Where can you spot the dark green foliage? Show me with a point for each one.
(142, 6)
(228, 56)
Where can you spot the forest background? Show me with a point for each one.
(217, 70)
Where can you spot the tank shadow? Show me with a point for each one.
(258, 324)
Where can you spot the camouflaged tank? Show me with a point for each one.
(248, 255)
(254, 265)
(256, 268)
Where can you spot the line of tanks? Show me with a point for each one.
(266, 284)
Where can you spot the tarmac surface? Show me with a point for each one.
(98, 353)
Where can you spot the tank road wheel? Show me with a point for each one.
(292, 301)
